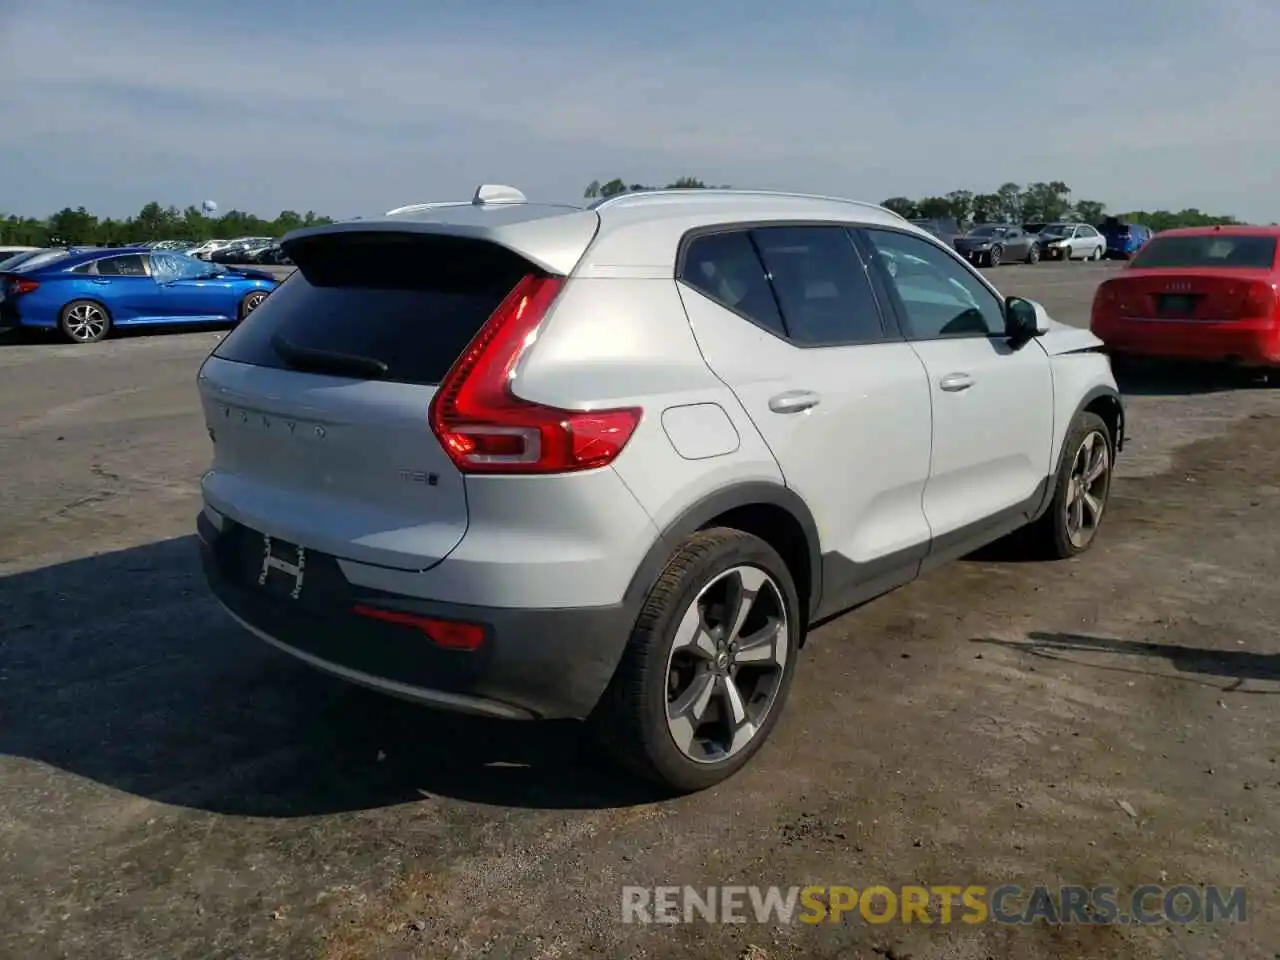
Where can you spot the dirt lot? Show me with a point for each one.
(171, 788)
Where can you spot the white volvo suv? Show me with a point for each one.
(610, 462)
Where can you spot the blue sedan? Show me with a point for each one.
(87, 294)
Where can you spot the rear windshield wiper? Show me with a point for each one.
(312, 360)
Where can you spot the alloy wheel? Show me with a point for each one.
(86, 322)
(252, 301)
(1087, 488)
(726, 664)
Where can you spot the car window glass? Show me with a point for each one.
(726, 268)
(130, 265)
(85, 268)
(821, 285)
(940, 297)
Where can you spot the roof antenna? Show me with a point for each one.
(497, 193)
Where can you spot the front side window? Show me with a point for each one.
(938, 295)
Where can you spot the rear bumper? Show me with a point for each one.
(1245, 342)
(550, 663)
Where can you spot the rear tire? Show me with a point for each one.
(84, 321)
(694, 698)
(1082, 488)
(1033, 255)
(1096, 255)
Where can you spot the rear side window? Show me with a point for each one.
(411, 302)
(130, 265)
(1209, 250)
(821, 284)
(726, 268)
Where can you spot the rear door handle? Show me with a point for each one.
(955, 382)
(794, 401)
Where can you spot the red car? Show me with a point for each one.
(1201, 293)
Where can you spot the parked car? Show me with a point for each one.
(640, 526)
(1072, 241)
(240, 251)
(11, 251)
(1123, 239)
(86, 295)
(992, 244)
(1199, 293)
(946, 229)
(203, 250)
(11, 261)
(272, 254)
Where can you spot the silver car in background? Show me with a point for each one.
(1072, 241)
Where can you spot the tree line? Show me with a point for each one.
(152, 222)
(1040, 203)
(1011, 203)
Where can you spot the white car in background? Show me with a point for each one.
(1072, 241)
(208, 247)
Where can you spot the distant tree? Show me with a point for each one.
(901, 206)
(987, 207)
(1045, 202)
(1010, 195)
(1090, 211)
(961, 205)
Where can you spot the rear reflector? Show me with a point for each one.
(485, 428)
(449, 634)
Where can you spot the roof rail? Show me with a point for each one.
(419, 207)
(694, 193)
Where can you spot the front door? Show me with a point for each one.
(992, 403)
(787, 318)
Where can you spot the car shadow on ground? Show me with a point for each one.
(30, 336)
(1174, 379)
(1195, 663)
(121, 669)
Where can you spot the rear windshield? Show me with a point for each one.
(410, 302)
(1209, 250)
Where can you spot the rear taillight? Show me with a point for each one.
(1257, 299)
(18, 286)
(485, 428)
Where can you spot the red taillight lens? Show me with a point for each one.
(450, 634)
(19, 286)
(485, 428)
(1258, 299)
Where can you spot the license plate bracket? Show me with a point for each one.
(282, 569)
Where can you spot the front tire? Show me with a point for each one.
(995, 257)
(1081, 491)
(84, 321)
(707, 669)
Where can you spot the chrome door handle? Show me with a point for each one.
(955, 382)
(794, 401)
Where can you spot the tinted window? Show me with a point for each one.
(821, 284)
(726, 268)
(412, 302)
(131, 265)
(1209, 250)
(940, 297)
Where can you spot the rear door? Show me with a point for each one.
(317, 404)
(788, 318)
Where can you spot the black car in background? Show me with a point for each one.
(946, 229)
(992, 244)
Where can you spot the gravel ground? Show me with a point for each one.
(171, 788)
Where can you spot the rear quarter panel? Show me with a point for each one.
(42, 307)
(627, 342)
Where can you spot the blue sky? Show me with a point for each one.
(351, 108)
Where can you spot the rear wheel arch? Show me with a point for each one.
(770, 511)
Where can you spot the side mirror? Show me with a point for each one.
(1021, 320)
